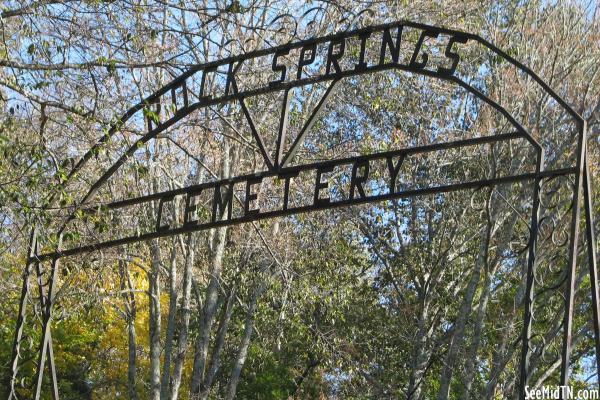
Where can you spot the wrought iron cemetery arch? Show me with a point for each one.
(177, 93)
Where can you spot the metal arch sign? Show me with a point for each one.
(395, 46)
(289, 71)
(319, 60)
(289, 64)
(238, 200)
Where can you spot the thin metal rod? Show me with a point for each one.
(572, 264)
(592, 260)
(309, 123)
(283, 127)
(530, 281)
(51, 363)
(259, 140)
(21, 316)
(46, 324)
(498, 108)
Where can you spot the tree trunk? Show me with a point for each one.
(130, 314)
(154, 322)
(491, 269)
(164, 386)
(212, 291)
(420, 356)
(245, 343)
(208, 313)
(500, 358)
(465, 311)
(472, 356)
(220, 342)
(185, 317)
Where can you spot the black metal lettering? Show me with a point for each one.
(221, 203)
(286, 187)
(184, 94)
(311, 49)
(356, 181)
(251, 196)
(451, 55)
(231, 82)
(203, 82)
(362, 65)
(387, 42)
(279, 67)
(189, 215)
(161, 205)
(424, 57)
(394, 170)
(333, 59)
(153, 114)
(317, 201)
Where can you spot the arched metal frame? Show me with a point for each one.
(279, 166)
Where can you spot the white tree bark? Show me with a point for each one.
(243, 347)
(219, 343)
(130, 313)
(154, 322)
(185, 317)
(212, 292)
(208, 313)
(451, 359)
(168, 347)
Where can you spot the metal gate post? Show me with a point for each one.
(530, 280)
(572, 263)
(45, 343)
(19, 325)
(592, 261)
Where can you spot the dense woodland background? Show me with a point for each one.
(418, 298)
